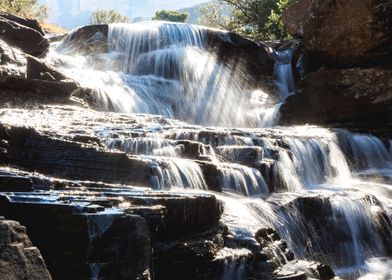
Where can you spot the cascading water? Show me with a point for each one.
(284, 73)
(326, 192)
(164, 68)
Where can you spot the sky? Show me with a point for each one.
(73, 13)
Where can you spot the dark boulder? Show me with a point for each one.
(25, 38)
(237, 51)
(211, 175)
(123, 251)
(15, 183)
(39, 70)
(18, 258)
(353, 98)
(31, 23)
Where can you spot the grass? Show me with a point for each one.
(52, 28)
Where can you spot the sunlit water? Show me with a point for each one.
(164, 68)
(327, 193)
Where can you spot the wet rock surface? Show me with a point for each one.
(106, 224)
(90, 230)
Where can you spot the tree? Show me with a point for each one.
(171, 16)
(255, 19)
(103, 16)
(25, 8)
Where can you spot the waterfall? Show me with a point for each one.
(145, 146)
(366, 151)
(242, 179)
(284, 81)
(284, 75)
(165, 68)
(177, 173)
(326, 192)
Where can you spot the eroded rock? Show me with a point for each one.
(19, 259)
(346, 32)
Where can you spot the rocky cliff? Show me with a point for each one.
(347, 50)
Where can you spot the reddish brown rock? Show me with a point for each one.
(350, 32)
(347, 32)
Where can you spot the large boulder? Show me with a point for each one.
(19, 259)
(31, 23)
(25, 38)
(348, 32)
(356, 97)
(40, 70)
(293, 17)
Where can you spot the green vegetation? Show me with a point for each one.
(25, 8)
(255, 19)
(170, 16)
(103, 16)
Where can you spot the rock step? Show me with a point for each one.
(38, 152)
